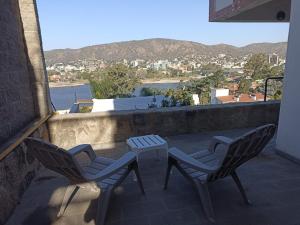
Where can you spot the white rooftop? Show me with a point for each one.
(119, 104)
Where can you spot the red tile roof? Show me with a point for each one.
(242, 98)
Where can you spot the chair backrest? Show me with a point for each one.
(55, 158)
(243, 149)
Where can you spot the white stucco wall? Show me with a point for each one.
(217, 92)
(288, 138)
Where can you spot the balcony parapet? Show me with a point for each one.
(110, 127)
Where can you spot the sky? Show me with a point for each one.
(80, 23)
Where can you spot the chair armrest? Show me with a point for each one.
(113, 168)
(219, 140)
(83, 148)
(190, 161)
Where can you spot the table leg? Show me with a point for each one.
(158, 155)
(167, 155)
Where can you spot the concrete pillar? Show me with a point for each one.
(23, 98)
(35, 54)
(288, 138)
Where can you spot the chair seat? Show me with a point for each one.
(204, 156)
(100, 163)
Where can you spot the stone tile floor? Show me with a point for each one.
(272, 184)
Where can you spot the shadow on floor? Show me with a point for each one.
(272, 183)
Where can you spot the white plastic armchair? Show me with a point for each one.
(101, 173)
(222, 158)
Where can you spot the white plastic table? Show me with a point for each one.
(147, 143)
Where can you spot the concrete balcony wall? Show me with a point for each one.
(101, 128)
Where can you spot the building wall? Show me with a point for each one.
(17, 170)
(23, 98)
(17, 107)
(289, 124)
(101, 128)
(249, 10)
(218, 92)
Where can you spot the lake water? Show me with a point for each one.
(64, 97)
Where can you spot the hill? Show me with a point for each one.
(154, 49)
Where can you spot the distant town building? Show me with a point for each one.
(196, 99)
(217, 92)
(55, 78)
(258, 97)
(274, 59)
(221, 96)
(137, 62)
(228, 65)
(160, 65)
(92, 68)
(70, 68)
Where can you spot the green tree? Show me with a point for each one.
(203, 86)
(165, 103)
(218, 80)
(244, 86)
(277, 71)
(146, 91)
(116, 81)
(275, 89)
(277, 95)
(180, 97)
(210, 68)
(258, 67)
(85, 109)
(52, 72)
(85, 75)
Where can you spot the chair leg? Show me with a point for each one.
(135, 167)
(240, 187)
(69, 195)
(205, 200)
(103, 203)
(170, 164)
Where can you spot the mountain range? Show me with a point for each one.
(154, 49)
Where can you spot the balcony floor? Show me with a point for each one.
(272, 184)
